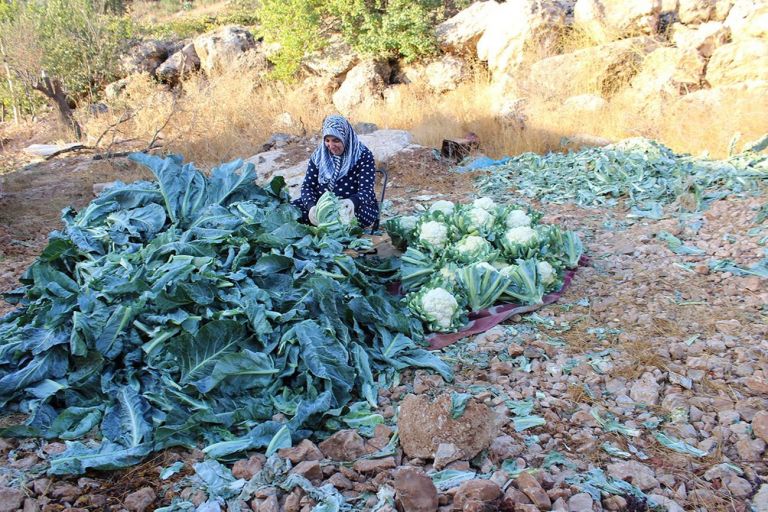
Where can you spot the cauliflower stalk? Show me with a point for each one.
(438, 307)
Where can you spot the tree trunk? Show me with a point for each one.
(53, 90)
(11, 88)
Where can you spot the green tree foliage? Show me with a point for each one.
(376, 28)
(78, 42)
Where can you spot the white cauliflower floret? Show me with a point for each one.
(438, 303)
(517, 218)
(446, 207)
(486, 203)
(507, 271)
(481, 219)
(471, 244)
(520, 235)
(434, 233)
(448, 274)
(546, 272)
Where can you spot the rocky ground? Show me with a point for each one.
(647, 347)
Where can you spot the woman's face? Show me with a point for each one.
(334, 145)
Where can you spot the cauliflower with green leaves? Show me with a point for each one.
(433, 234)
(485, 203)
(443, 206)
(473, 248)
(517, 218)
(437, 307)
(521, 235)
(546, 272)
(474, 221)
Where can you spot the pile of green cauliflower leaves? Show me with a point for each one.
(647, 174)
(196, 310)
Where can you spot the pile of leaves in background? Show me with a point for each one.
(197, 309)
(466, 258)
(648, 174)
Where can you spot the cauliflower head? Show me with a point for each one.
(517, 218)
(485, 203)
(520, 235)
(446, 207)
(434, 234)
(546, 272)
(473, 248)
(440, 306)
(408, 222)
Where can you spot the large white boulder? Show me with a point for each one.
(333, 60)
(704, 38)
(609, 20)
(740, 61)
(446, 73)
(146, 56)
(220, 49)
(601, 70)
(461, 33)
(748, 19)
(364, 84)
(519, 27)
(181, 63)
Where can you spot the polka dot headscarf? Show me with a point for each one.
(332, 168)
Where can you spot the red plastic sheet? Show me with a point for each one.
(481, 321)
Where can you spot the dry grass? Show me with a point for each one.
(232, 115)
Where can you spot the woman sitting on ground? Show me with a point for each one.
(343, 165)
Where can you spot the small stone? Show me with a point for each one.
(54, 448)
(645, 390)
(340, 482)
(580, 502)
(65, 492)
(415, 491)
(309, 469)
(305, 450)
(445, 454)
(246, 468)
(760, 500)
(41, 486)
(424, 381)
(615, 503)
(634, 472)
(760, 425)
(477, 492)
(344, 445)
(31, 505)
(532, 488)
(738, 487)
(750, 449)
(374, 465)
(10, 499)
(668, 504)
(268, 504)
(559, 505)
(140, 500)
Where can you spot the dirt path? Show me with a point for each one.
(640, 324)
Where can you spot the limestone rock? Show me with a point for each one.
(705, 38)
(610, 20)
(10, 499)
(446, 73)
(181, 63)
(146, 56)
(305, 450)
(364, 84)
(741, 61)
(605, 69)
(579, 502)
(532, 488)
(415, 491)
(140, 500)
(634, 472)
(645, 390)
(374, 465)
(760, 425)
(514, 28)
(219, 49)
(445, 454)
(335, 59)
(309, 469)
(246, 468)
(760, 500)
(475, 492)
(748, 19)
(461, 33)
(585, 103)
(424, 424)
(344, 445)
(692, 12)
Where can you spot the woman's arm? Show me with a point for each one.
(366, 206)
(310, 187)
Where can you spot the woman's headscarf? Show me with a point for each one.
(332, 167)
